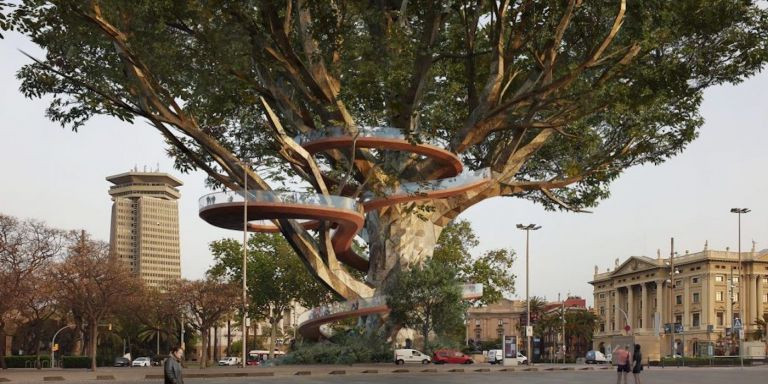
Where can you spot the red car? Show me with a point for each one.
(450, 356)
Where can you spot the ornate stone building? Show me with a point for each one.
(490, 322)
(648, 296)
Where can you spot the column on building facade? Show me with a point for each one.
(659, 302)
(644, 304)
(704, 318)
(631, 307)
(753, 300)
(687, 302)
(760, 293)
(616, 312)
(607, 312)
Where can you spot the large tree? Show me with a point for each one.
(426, 298)
(93, 284)
(493, 268)
(556, 97)
(207, 301)
(27, 248)
(276, 279)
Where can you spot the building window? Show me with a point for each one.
(501, 323)
(477, 323)
(478, 333)
(720, 317)
(694, 280)
(696, 297)
(679, 319)
(765, 298)
(735, 279)
(679, 299)
(765, 280)
(695, 319)
(735, 297)
(602, 295)
(602, 311)
(678, 282)
(719, 278)
(602, 327)
(719, 295)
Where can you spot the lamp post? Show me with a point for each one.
(528, 228)
(738, 212)
(244, 324)
(53, 341)
(671, 283)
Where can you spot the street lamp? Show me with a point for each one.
(671, 284)
(244, 324)
(53, 341)
(528, 228)
(739, 211)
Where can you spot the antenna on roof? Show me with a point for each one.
(158, 167)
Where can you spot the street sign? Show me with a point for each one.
(627, 328)
(737, 324)
(529, 330)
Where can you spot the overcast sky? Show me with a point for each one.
(56, 175)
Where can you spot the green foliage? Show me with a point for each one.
(702, 361)
(427, 298)
(76, 362)
(27, 361)
(347, 348)
(492, 269)
(276, 276)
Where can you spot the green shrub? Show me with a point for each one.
(22, 361)
(76, 362)
(350, 348)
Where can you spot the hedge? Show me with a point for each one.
(21, 361)
(76, 362)
(703, 361)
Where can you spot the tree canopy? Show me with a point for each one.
(556, 97)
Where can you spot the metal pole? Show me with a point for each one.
(53, 341)
(527, 300)
(672, 294)
(564, 345)
(741, 301)
(245, 255)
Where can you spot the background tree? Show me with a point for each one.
(26, 248)
(276, 277)
(493, 269)
(426, 298)
(761, 333)
(556, 97)
(93, 284)
(580, 326)
(207, 302)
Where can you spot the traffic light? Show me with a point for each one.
(55, 347)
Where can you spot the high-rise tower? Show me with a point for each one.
(145, 224)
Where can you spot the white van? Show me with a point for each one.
(496, 356)
(403, 356)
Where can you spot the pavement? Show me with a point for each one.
(390, 373)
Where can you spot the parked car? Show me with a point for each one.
(450, 356)
(158, 361)
(229, 360)
(252, 362)
(403, 356)
(141, 362)
(496, 356)
(122, 362)
(596, 357)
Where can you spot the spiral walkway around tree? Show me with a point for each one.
(225, 209)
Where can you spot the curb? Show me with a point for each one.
(371, 371)
(456, 370)
(302, 373)
(401, 371)
(53, 378)
(105, 377)
(339, 372)
(483, 370)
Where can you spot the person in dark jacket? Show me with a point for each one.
(172, 369)
(637, 364)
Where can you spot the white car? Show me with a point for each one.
(596, 357)
(229, 360)
(403, 356)
(142, 362)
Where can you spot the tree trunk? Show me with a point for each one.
(216, 356)
(2, 345)
(425, 334)
(272, 336)
(398, 240)
(94, 333)
(204, 347)
(229, 338)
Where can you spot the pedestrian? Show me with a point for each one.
(172, 367)
(637, 366)
(622, 363)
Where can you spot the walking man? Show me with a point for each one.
(172, 369)
(622, 363)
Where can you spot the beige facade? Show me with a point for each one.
(490, 322)
(145, 224)
(698, 297)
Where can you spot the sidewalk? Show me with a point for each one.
(155, 374)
